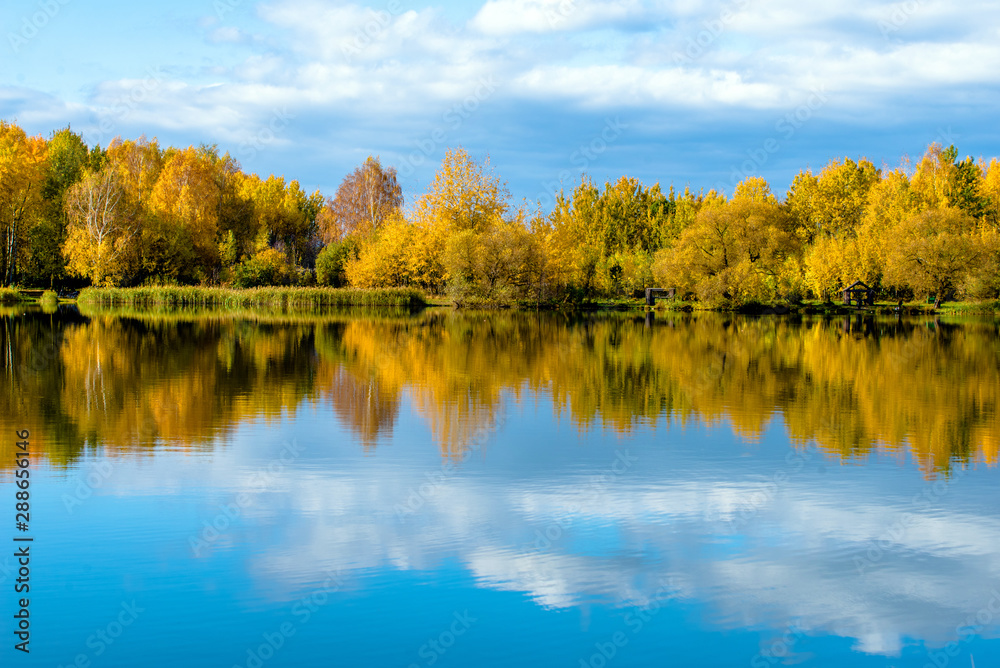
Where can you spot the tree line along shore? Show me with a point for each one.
(135, 214)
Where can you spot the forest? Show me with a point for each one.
(138, 214)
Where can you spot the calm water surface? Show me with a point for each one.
(450, 489)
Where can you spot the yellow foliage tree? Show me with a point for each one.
(991, 189)
(22, 176)
(465, 195)
(733, 253)
(103, 229)
(185, 198)
(398, 254)
(828, 264)
(933, 252)
(933, 180)
(365, 198)
(499, 266)
(842, 195)
(138, 164)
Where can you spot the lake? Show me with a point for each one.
(259, 489)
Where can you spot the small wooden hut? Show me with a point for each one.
(859, 293)
(653, 293)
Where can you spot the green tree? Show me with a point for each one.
(68, 156)
(331, 261)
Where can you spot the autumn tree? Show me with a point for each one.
(285, 218)
(827, 212)
(332, 260)
(990, 190)
(237, 222)
(103, 231)
(575, 243)
(23, 170)
(181, 242)
(605, 239)
(68, 156)
(498, 266)
(735, 251)
(465, 202)
(932, 252)
(465, 195)
(398, 254)
(933, 178)
(829, 266)
(139, 163)
(364, 200)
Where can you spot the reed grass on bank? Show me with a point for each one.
(253, 297)
(260, 314)
(9, 296)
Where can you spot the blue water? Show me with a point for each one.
(284, 542)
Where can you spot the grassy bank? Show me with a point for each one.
(970, 308)
(255, 297)
(819, 307)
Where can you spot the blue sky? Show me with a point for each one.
(687, 93)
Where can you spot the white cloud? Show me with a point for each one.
(510, 17)
(227, 34)
(401, 67)
(625, 85)
(796, 559)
